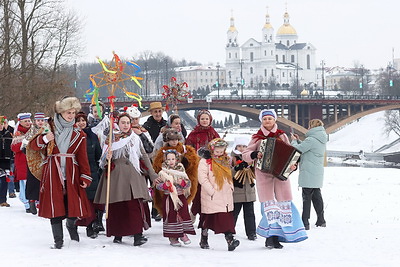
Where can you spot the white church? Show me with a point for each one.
(278, 58)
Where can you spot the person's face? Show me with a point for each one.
(173, 142)
(241, 148)
(2, 126)
(26, 123)
(219, 151)
(124, 124)
(135, 121)
(268, 122)
(171, 160)
(95, 112)
(176, 124)
(157, 114)
(69, 115)
(204, 120)
(81, 123)
(39, 122)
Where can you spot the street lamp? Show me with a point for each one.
(145, 68)
(323, 78)
(241, 75)
(218, 66)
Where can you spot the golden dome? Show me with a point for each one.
(232, 29)
(268, 26)
(286, 29)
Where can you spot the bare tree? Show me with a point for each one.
(392, 122)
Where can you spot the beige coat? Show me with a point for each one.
(212, 199)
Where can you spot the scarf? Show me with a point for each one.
(201, 136)
(260, 135)
(221, 170)
(63, 133)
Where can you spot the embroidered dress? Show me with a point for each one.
(176, 219)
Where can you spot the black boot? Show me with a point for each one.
(117, 239)
(89, 231)
(57, 230)
(204, 239)
(32, 207)
(276, 242)
(72, 229)
(269, 242)
(139, 239)
(98, 223)
(232, 242)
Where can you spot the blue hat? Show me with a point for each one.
(267, 112)
(23, 116)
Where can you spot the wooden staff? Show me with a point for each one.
(109, 149)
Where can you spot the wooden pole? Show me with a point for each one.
(109, 148)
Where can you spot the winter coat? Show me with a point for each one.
(201, 136)
(268, 187)
(212, 199)
(243, 192)
(6, 153)
(190, 161)
(154, 127)
(77, 170)
(312, 158)
(20, 164)
(94, 154)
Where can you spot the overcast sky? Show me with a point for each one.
(343, 31)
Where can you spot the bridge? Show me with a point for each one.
(293, 112)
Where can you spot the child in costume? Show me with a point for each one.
(216, 197)
(175, 184)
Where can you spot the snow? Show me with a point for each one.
(361, 209)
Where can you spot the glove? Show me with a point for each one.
(204, 153)
(253, 154)
(241, 166)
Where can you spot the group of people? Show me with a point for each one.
(78, 167)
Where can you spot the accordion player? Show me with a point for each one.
(277, 157)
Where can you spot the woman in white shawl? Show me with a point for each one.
(128, 187)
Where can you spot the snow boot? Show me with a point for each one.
(57, 230)
(98, 223)
(72, 229)
(276, 242)
(232, 242)
(269, 242)
(32, 207)
(90, 232)
(139, 239)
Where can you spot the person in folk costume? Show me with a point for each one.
(6, 155)
(175, 184)
(244, 193)
(18, 147)
(144, 135)
(189, 159)
(66, 172)
(173, 122)
(311, 176)
(201, 135)
(94, 224)
(128, 186)
(215, 177)
(33, 183)
(280, 221)
(94, 116)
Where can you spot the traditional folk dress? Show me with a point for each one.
(176, 219)
(128, 186)
(279, 215)
(60, 192)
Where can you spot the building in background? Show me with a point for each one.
(201, 76)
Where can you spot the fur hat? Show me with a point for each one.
(133, 111)
(171, 134)
(67, 103)
(267, 112)
(155, 105)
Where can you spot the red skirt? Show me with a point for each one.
(126, 218)
(176, 223)
(222, 222)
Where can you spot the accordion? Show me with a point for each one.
(277, 158)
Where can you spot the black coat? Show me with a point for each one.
(154, 127)
(94, 154)
(6, 153)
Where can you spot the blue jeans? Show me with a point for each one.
(22, 186)
(11, 186)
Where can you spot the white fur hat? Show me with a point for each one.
(133, 111)
(240, 140)
(67, 103)
(267, 112)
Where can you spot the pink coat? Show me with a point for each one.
(268, 187)
(212, 199)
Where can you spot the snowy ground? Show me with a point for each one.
(362, 214)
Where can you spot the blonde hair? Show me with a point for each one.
(315, 123)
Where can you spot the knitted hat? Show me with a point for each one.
(133, 111)
(204, 111)
(240, 140)
(39, 116)
(171, 134)
(23, 116)
(267, 112)
(67, 103)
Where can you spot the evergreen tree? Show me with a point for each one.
(226, 122)
(230, 121)
(236, 119)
